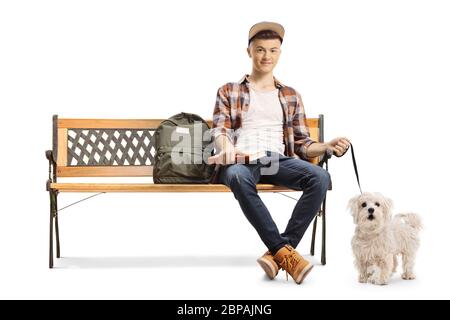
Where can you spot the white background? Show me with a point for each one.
(378, 70)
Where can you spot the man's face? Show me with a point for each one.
(264, 54)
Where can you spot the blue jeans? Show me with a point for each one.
(293, 173)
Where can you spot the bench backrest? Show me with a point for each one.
(116, 147)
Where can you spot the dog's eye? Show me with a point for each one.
(364, 205)
(377, 204)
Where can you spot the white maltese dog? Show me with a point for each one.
(379, 238)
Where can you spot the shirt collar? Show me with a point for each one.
(245, 79)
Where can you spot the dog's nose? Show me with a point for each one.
(371, 210)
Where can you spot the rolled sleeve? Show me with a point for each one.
(221, 116)
(302, 151)
(302, 138)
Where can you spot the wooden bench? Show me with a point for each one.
(124, 148)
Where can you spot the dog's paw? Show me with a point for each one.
(378, 282)
(362, 278)
(408, 276)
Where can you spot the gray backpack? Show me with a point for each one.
(182, 144)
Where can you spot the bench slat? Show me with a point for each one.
(133, 123)
(105, 171)
(109, 123)
(151, 187)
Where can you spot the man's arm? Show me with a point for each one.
(338, 146)
(222, 132)
(302, 141)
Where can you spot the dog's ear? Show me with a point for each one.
(353, 207)
(387, 204)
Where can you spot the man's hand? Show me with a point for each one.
(338, 145)
(226, 151)
(223, 157)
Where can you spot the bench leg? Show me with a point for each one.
(52, 206)
(324, 226)
(58, 251)
(322, 214)
(313, 239)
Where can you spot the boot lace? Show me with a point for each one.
(289, 262)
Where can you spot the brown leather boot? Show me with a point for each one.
(293, 263)
(269, 265)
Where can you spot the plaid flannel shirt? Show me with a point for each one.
(234, 98)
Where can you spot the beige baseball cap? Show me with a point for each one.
(266, 25)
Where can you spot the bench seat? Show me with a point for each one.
(151, 187)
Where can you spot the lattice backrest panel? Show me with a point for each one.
(110, 147)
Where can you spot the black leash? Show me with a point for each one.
(355, 167)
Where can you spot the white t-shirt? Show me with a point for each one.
(262, 124)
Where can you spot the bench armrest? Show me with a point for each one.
(51, 168)
(327, 155)
(324, 161)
